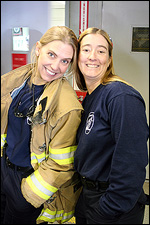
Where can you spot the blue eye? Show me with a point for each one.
(85, 50)
(65, 61)
(51, 54)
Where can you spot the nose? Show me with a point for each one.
(55, 65)
(92, 55)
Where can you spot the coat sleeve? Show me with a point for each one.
(57, 169)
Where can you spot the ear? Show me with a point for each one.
(109, 61)
(37, 48)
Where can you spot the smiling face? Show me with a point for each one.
(53, 59)
(93, 59)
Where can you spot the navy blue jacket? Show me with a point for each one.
(112, 144)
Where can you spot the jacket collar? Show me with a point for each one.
(47, 101)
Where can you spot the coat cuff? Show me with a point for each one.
(29, 195)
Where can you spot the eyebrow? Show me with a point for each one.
(57, 55)
(97, 46)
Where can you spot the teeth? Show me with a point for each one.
(92, 66)
(50, 72)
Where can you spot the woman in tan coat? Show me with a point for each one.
(40, 116)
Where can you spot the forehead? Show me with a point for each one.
(60, 48)
(94, 40)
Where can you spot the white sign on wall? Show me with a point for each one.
(20, 38)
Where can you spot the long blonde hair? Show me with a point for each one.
(109, 75)
(61, 33)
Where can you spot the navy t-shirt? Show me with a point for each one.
(19, 129)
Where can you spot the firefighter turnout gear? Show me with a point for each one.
(54, 182)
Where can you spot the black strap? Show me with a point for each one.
(26, 169)
(94, 185)
(18, 168)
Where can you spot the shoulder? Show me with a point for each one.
(22, 70)
(15, 78)
(117, 88)
(61, 97)
(18, 75)
(68, 96)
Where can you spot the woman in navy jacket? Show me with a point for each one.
(112, 154)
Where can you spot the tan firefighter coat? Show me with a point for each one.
(57, 116)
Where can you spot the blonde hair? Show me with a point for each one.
(61, 33)
(109, 75)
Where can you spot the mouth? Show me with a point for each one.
(50, 72)
(92, 66)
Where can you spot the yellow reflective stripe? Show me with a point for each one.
(67, 216)
(44, 183)
(39, 186)
(52, 216)
(35, 189)
(64, 161)
(62, 150)
(37, 158)
(63, 156)
(3, 139)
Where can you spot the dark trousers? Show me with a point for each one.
(87, 211)
(14, 208)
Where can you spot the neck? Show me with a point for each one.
(37, 80)
(91, 86)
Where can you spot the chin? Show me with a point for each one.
(53, 78)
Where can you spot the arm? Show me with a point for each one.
(130, 132)
(58, 168)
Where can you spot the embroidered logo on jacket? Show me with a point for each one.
(89, 123)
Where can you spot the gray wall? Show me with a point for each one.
(72, 15)
(32, 14)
